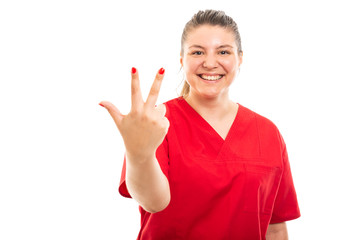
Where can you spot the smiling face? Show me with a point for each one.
(211, 61)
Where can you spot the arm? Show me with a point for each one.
(143, 130)
(277, 231)
(147, 184)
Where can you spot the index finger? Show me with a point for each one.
(155, 89)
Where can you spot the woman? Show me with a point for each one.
(201, 166)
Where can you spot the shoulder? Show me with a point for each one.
(261, 121)
(173, 101)
(173, 105)
(266, 128)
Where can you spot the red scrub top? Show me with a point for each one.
(220, 189)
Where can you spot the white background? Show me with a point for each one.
(61, 154)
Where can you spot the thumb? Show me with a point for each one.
(114, 112)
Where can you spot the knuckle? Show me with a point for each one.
(159, 77)
(134, 112)
(145, 117)
(154, 91)
(154, 122)
(133, 89)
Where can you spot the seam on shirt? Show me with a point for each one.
(258, 133)
(174, 132)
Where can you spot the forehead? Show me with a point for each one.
(210, 36)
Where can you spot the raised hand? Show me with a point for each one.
(145, 127)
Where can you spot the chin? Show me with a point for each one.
(210, 95)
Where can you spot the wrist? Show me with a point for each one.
(139, 158)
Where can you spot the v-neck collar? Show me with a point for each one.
(207, 124)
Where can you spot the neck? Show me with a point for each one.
(212, 107)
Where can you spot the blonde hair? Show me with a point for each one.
(213, 18)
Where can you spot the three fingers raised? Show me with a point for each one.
(137, 101)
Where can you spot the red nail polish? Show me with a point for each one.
(161, 71)
(133, 70)
(101, 105)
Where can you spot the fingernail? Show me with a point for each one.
(161, 71)
(101, 105)
(133, 70)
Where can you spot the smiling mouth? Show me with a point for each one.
(210, 78)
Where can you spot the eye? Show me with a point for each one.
(197, 53)
(224, 52)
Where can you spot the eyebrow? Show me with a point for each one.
(222, 46)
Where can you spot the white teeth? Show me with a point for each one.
(211, 78)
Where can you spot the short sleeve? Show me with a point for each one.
(162, 156)
(286, 205)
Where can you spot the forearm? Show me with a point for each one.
(277, 236)
(277, 231)
(147, 184)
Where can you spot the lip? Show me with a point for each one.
(213, 74)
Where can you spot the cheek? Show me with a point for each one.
(230, 65)
(191, 65)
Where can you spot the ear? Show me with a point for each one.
(181, 60)
(240, 58)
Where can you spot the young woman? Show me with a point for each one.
(202, 166)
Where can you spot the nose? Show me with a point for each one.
(210, 61)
